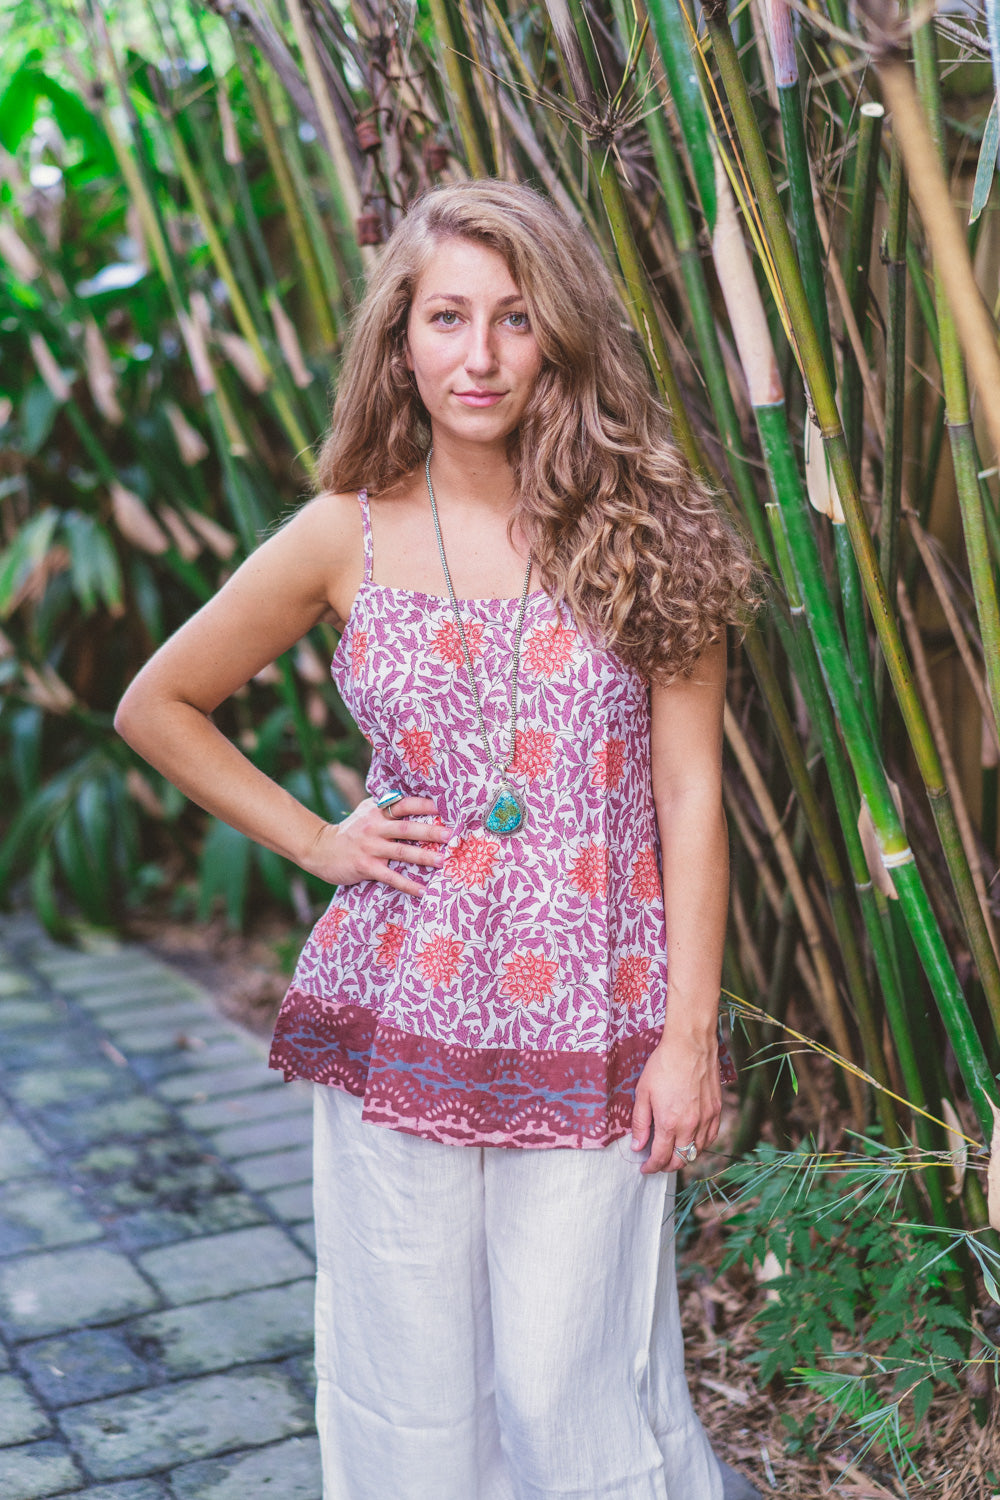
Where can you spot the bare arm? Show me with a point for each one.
(305, 572)
(679, 1091)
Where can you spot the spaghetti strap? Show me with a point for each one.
(366, 522)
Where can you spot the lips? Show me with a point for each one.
(479, 398)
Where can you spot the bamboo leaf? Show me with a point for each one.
(987, 164)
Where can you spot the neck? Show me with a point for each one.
(480, 476)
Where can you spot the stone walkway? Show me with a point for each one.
(156, 1255)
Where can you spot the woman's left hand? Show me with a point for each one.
(679, 1098)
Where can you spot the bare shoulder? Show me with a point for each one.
(321, 545)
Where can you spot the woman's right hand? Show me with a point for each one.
(361, 847)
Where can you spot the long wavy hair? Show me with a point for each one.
(618, 525)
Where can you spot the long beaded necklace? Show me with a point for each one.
(507, 811)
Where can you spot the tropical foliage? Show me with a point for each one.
(189, 200)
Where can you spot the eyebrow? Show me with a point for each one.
(464, 301)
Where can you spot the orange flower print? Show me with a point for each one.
(359, 651)
(389, 945)
(529, 977)
(416, 747)
(549, 650)
(447, 643)
(533, 752)
(632, 979)
(608, 764)
(645, 884)
(471, 861)
(589, 871)
(440, 959)
(327, 929)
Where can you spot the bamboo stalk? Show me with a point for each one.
(928, 937)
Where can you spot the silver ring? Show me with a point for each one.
(689, 1153)
(388, 799)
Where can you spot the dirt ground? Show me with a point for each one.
(247, 975)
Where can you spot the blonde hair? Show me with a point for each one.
(619, 526)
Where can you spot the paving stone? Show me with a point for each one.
(62, 1047)
(55, 1290)
(231, 1047)
(162, 1173)
(294, 1205)
(179, 1011)
(236, 1330)
(19, 1154)
(4, 1357)
(302, 1369)
(21, 1012)
(36, 1470)
(290, 1469)
(38, 1214)
(269, 1135)
(89, 1124)
(160, 1226)
(277, 1169)
(83, 1366)
(215, 1114)
(133, 1435)
(197, 1088)
(106, 1001)
(129, 1489)
(306, 1236)
(21, 1417)
(224, 1263)
(39, 1088)
(178, 1037)
(116, 971)
(13, 983)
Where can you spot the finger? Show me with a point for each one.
(642, 1121)
(661, 1158)
(409, 807)
(420, 833)
(412, 854)
(400, 882)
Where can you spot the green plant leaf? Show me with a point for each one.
(987, 163)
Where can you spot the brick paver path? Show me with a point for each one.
(156, 1254)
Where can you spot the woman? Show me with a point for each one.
(532, 592)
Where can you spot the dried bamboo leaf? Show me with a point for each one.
(135, 522)
(140, 791)
(197, 349)
(993, 1170)
(216, 538)
(880, 877)
(22, 261)
(190, 443)
(289, 341)
(46, 688)
(51, 372)
(100, 375)
(184, 540)
(821, 489)
(243, 360)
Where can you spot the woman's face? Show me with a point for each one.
(470, 345)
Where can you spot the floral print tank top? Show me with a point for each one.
(516, 1002)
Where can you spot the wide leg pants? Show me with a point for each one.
(496, 1324)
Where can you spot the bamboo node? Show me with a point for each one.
(898, 857)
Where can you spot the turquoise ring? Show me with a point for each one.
(388, 798)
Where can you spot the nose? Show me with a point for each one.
(480, 352)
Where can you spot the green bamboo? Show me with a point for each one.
(576, 44)
(895, 388)
(891, 837)
(458, 89)
(856, 267)
(871, 775)
(958, 416)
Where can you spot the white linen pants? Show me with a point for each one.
(496, 1324)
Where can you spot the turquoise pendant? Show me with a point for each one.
(506, 814)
